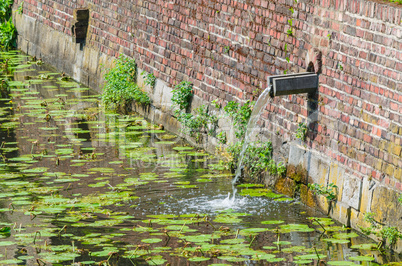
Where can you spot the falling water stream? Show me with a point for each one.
(251, 127)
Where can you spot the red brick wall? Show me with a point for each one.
(227, 49)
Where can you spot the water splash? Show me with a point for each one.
(226, 203)
(206, 204)
(251, 126)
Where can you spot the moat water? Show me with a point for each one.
(84, 186)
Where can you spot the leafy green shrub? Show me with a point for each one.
(149, 78)
(222, 137)
(201, 122)
(7, 35)
(7, 29)
(182, 94)
(301, 132)
(281, 168)
(391, 234)
(240, 116)
(329, 191)
(121, 88)
(387, 233)
(5, 9)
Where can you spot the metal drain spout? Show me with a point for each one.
(292, 84)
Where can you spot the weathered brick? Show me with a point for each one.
(359, 82)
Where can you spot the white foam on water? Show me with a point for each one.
(206, 204)
(227, 203)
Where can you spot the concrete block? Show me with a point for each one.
(357, 220)
(296, 153)
(352, 191)
(340, 212)
(166, 97)
(336, 176)
(366, 195)
(93, 63)
(318, 169)
(322, 203)
(386, 207)
(77, 67)
(23, 44)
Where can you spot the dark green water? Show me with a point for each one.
(81, 186)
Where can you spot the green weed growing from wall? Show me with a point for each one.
(240, 116)
(301, 132)
(7, 29)
(222, 139)
(329, 191)
(257, 158)
(201, 122)
(194, 125)
(149, 79)
(121, 87)
(20, 8)
(388, 234)
(182, 94)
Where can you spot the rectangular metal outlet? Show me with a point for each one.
(293, 83)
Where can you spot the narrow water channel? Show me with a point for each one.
(81, 186)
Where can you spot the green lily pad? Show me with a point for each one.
(310, 257)
(336, 241)
(156, 260)
(297, 228)
(345, 235)
(11, 261)
(6, 243)
(250, 185)
(273, 222)
(198, 259)
(204, 180)
(362, 258)
(151, 240)
(183, 148)
(163, 216)
(282, 243)
(269, 247)
(251, 231)
(102, 169)
(302, 261)
(341, 263)
(364, 246)
(294, 249)
(254, 192)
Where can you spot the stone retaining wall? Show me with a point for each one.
(228, 48)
